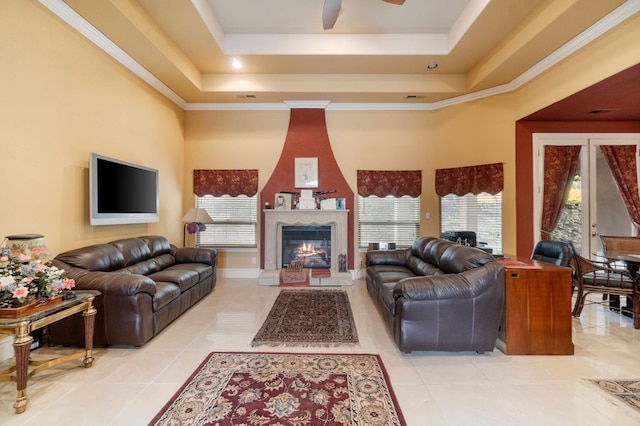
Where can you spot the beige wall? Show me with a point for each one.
(61, 99)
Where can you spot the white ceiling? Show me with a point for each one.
(377, 53)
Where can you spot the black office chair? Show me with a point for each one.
(553, 251)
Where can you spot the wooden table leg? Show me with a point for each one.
(21, 348)
(89, 317)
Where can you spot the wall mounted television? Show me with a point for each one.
(122, 192)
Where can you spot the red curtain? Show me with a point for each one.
(472, 179)
(393, 182)
(560, 165)
(622, 163)
(225, 182)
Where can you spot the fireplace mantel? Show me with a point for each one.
(275, 219)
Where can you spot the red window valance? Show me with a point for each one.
(390, 182)
(225, 182)
(473, 179)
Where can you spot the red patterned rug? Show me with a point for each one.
(294, 278)
(285, 389)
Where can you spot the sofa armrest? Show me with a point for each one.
(112, 283)
(433, 287)
(467, 284)
(196, 255)
(388, 257)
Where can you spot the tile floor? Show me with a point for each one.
(128, 386)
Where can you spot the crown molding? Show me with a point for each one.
(68, 15)
(77, 22)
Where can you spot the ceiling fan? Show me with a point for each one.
(331, 9)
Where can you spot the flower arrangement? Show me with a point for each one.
(24, 278)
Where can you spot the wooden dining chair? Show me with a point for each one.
(600, 277)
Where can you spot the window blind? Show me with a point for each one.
(388, 219)
(480, 213)
(235, 221)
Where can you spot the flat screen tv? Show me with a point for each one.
(122, 192)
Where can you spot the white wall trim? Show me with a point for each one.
(239, 273)
(68, 15)
(77, 22)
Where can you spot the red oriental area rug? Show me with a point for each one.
(242, 388)
(294, 278)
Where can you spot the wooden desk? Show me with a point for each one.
(537, 316)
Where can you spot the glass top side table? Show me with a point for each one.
(23, 326)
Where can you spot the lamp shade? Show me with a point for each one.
(198, 215)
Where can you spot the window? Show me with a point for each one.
(235, 221)
(480, 213)
(388, 219)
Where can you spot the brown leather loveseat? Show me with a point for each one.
(145, 282)
(438, 295)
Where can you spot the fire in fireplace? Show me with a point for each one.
(308, 245)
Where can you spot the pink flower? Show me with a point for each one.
(68, 283)
(20, 292)
(4, 258)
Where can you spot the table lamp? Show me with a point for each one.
(194, 222)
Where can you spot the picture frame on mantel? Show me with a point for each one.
(306, 172)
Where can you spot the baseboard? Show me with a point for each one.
(255, 273)
(239, 272)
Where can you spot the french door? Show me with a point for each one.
(594, 206)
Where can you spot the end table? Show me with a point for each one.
(23, 326)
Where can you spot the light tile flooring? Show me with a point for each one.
(128, 386)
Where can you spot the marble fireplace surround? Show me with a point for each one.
(274, 220)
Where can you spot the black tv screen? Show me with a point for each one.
(122, 192)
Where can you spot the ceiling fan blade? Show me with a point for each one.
(330, 12)
(394, 1)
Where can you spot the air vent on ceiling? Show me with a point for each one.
(414, 97)
(599, 111)
(246, 96)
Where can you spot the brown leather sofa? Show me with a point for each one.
(438, 295)
(145, 282)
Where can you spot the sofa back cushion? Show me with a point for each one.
(133, 250)
(99, 257)
(458, 258)
(419, 244)
(420, 267)
(434, 249)
(157, 245)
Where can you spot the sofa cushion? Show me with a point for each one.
(134, 250)
(183, 278)
(433, 250)
(420, 267)
(99, 257)
(165, 294)
(204, 270)
(459, 258)
(417, 249)
(157, 245)
(146, 267)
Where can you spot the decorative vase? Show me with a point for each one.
(31, 245)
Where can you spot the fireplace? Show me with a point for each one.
(324, 230)
(307, 245)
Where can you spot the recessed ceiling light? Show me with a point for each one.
(432, 66)
(236, 64)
